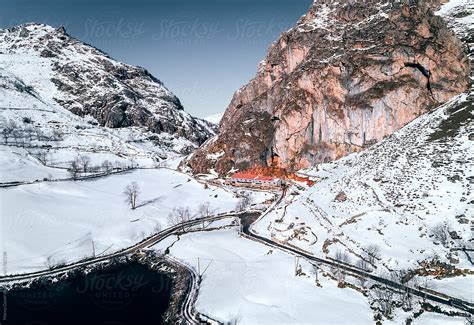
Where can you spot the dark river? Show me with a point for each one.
(123, 294)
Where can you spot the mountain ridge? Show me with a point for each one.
(88, 81)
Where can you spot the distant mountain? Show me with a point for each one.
(347, 75)
(58, 69)
(214, 119)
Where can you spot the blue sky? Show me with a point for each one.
(203, 50)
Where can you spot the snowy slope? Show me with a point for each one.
(394, 195)
(17, 165)
(60, 219)
(88, 82)
(215, 119)
(61, 98)
(37, 125)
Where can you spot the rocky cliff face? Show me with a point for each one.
(347, 75)
(88, 82)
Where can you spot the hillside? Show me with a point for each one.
(60, 98)
(410, 195)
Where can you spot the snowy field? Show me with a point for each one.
(61, 219)
(17, 165)
(249, 283)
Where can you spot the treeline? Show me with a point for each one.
(23, 135)
(81, 167)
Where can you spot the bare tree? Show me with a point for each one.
(57, 135)
(28, 131)
(362, 264)
(40, 135)
(85, 162)
(406, 297)
(7, 130)
(74, 169)
(204, 210)
(118, 165)
(107, 166)
(179, 215)
(19, 135)
(42, 156)
(340, 274)
(131, 193)
(372, 253)
(384, 298)
(316, 272)
(132, 162)
(362, 281)
(342, 256)
(440, 232)
(245, 201)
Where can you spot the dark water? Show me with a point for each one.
(124, 294)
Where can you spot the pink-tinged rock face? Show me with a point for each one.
(343, 78)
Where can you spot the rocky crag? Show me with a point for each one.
(347, 75)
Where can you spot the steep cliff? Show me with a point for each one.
(347, 75)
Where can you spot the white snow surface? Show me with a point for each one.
(245, 281)
(250, 283)
(215, 119)
(61, 219)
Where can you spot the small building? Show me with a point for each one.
(242, 178)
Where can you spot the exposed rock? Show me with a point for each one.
(340, 197)
(90, 83)
(347, 75)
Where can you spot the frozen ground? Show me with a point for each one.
(249, 283)
(61, 219)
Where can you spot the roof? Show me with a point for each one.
(243, 175)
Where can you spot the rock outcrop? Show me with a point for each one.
(347, 75)
(88, 82)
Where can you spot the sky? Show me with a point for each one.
(203, 50)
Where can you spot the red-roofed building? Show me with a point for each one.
(242, 178)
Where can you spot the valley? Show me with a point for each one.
(335, 189)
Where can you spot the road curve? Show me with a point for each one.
(246, 232)
(188, 311)
(189, 314)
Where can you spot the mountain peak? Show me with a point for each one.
(88, 82)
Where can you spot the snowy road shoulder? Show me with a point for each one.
(248, 282)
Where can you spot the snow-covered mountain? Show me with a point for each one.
(45, 74)
(214, 119)
(410, 196)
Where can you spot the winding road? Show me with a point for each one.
(246, 220)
